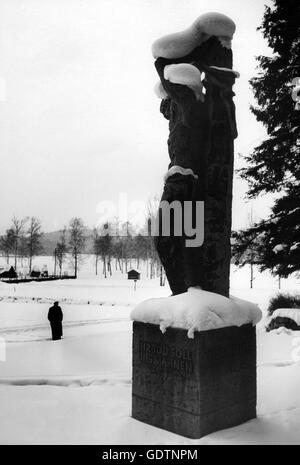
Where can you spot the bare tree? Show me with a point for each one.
(152, 208)
(76, 241)
(17, 229)
(248, 249)
(103, 248)
(33, 239)
(61, 250)
(96, 248)
(7, 244)
(23, 249)
(118, 252)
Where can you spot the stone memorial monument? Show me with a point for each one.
(194, 353)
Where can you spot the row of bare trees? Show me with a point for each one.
(127, 248)
(127, 251)
(22, 239)
(71, 242)
(128, 245)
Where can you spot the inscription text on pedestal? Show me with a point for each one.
(166, 357)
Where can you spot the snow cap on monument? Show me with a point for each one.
(182, 43)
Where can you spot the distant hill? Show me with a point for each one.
(50, 239)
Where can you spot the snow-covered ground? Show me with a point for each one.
(78, 390)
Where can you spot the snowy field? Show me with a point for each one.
(78, 390)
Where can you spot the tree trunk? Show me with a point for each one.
(54, 263)
(120, 265)
(76, 265)
(109, 266)
(16, 255)
(251, 276)
(104, 267)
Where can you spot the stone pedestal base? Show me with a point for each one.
(193, 387)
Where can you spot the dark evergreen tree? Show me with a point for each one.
(274, 166)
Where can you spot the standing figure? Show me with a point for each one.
(196, 79)
(55, 316)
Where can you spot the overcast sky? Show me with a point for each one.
(80, 122)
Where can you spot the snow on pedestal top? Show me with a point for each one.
(196, 310)
(181, 43)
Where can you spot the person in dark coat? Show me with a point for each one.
(55, 316)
